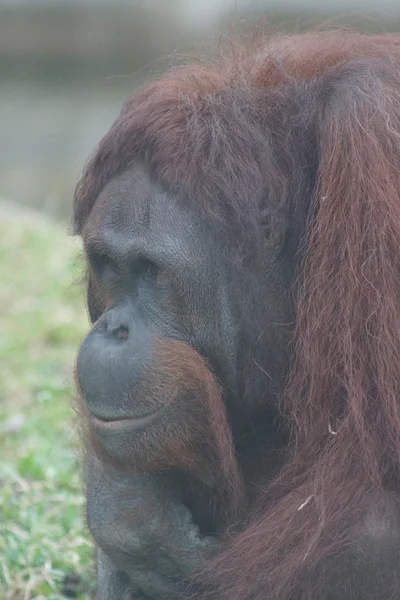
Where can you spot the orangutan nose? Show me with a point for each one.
(111, 362)
(116, 323)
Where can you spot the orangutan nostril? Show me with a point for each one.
(121, 333)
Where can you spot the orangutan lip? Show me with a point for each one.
(125, 423)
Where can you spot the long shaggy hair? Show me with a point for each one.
(311, 125)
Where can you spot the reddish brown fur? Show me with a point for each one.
(196, 436)
(344, 389)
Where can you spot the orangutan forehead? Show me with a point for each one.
(129, 199)
(134, 201)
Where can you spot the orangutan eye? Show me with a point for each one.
(151, 271)
(102, 264)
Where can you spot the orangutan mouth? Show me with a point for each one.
(101, 425)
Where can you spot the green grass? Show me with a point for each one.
(43, 537)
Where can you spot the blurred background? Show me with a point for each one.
(65, 68)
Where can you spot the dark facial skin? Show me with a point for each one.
(159, 271)
(155, 268)
(161, 296)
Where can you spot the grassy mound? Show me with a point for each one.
(43, 540)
